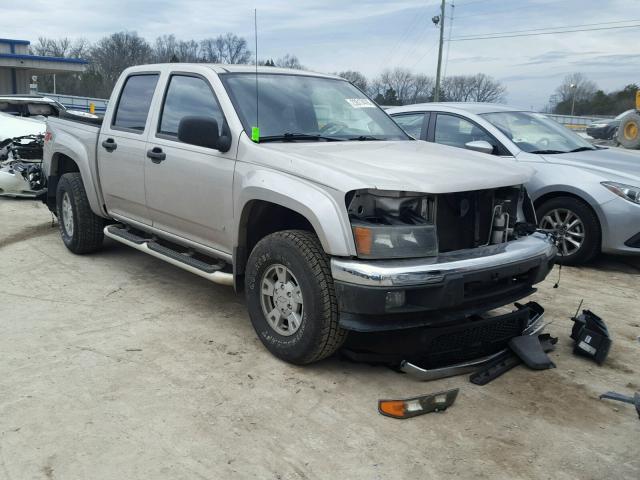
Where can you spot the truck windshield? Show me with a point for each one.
(536, 133)
(307, 108)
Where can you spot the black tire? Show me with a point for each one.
(629, 131)
(318, 335)
(592, 232)
(86, 235)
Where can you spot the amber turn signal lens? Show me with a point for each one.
(392, 408)
(364, 239)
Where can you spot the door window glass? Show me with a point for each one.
(412, 124)
(188, 96)
(135, 101)
(456, 132)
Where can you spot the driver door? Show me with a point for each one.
(189, 190)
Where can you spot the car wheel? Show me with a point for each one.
(291, 297)
(80, 228)
(576, 227)
(629, 131)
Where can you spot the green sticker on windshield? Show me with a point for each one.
(255, 134)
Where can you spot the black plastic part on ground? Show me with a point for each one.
(432, 347)
(529, 350)
(507, 361)
(591, 337)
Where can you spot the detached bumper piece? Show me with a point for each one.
(591, 336)
(412, 407)
(506, 360)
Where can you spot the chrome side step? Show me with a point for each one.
(149, 246)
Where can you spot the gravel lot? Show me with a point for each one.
(118, 366)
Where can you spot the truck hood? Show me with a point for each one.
(11, 126)
(610, 163)
(395, 165)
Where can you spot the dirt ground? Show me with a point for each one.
(119, 366)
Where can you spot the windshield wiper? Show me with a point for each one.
(363, 138)
(582, 149)
(548, 152)
(291, 137)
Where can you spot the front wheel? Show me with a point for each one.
(80, 228)
(576, 227)
(291, 297)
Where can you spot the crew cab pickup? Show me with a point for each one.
(298, 189)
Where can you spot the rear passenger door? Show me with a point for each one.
(121, 149)
(189, 192)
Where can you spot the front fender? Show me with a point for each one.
(323, 207)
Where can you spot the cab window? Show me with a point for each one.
(134, 103)
(188, 96)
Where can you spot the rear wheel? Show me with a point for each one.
(576, 226)
(291, 297)
(80, 228)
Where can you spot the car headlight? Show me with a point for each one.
(390, 224)
(628, 192)
(598, 125)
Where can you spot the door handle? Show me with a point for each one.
(156, 155)
(109, 145)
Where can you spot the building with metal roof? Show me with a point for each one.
(17, 66)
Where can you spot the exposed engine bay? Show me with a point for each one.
(21, 166)
(423, 225)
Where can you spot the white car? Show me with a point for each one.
(588, 195)
(22, 128)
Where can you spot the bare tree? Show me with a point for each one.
(400, 80)
(112, 54)
(584, 88)
(422, 89)
(473, 88)
(62, 47)
(357, 78)
(289, 61)
(227, 48)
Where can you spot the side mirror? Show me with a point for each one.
(203, 132)
(481, 146)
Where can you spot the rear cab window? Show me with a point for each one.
(134, 103)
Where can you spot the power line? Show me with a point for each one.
(548, 28)
(541, 33)
(403, 38)
(501, 11)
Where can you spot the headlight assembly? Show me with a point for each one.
(390, 224)
(628, 192)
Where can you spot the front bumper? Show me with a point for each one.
(448, 287)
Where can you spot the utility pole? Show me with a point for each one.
(436, 95)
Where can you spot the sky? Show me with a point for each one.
(371, 35)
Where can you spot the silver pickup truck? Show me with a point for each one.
(297, 188)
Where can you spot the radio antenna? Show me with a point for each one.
(255, 131)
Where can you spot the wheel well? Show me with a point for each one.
(60, 164)
(259, 219)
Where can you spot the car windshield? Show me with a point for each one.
(307, 108)
(535, 133)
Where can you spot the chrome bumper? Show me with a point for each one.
(426, 271)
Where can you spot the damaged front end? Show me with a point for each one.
(21, 167)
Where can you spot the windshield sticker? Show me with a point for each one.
(360, 102)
